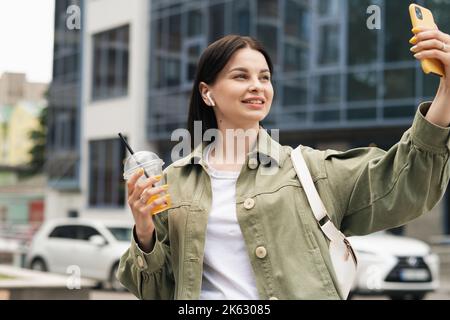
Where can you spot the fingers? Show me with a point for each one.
(148, 208)
(426, 34)
(420, 29)
(434, 54)
(150, 192)
(427, 45)
(139, 187)
(413, 40)
(132, 181)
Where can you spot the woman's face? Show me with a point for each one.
(242, 92)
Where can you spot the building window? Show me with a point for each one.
(267, 8)
(327, 89)
(106, 186)
(358, 54)
(329, 7)
(399, 83)
(395, 47)
(359, 114)
(195, 23)
(297, 22)
(430, 86)
(295, 94)
(175, 38)
(110, 63)
(62, 128)
(362, 86)
(193, 52)
(216, 22)
(399, 112)
(241, 17)
(297, 28)
(267, 34)
(329, 44)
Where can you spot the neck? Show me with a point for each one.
(234, 143)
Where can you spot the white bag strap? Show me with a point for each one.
(317, 206)
(340, 248)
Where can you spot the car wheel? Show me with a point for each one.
(114, 283)
(39, 264)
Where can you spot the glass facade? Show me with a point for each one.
(106, 186)
(63, 157)
(110, 63)
(332, 75)
(331, 70)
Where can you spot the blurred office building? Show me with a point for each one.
(342, 80)
(21, 197)
(21, 102)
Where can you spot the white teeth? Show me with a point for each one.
(254, 101)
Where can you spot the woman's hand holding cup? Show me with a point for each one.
(144, 200)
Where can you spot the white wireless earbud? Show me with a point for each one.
(208, 95)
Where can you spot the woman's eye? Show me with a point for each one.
(243, 76)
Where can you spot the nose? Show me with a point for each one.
(255, 86)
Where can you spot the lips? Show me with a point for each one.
(254, 102)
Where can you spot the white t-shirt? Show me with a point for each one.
(227, 272)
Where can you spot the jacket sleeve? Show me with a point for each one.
(149, 275)
(379, 190)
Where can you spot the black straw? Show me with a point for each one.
(132, 153)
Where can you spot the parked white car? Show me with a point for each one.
(91, 247)
(396, 266)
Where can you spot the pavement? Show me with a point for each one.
(442, 294)
(111, 295)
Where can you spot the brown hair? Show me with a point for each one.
(211, 62)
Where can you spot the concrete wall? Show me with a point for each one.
(103, 119)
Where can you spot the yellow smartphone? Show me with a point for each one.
(421, 16)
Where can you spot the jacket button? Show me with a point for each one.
(273, 298)
(140, 262)
(249, 203)
(261, 252)
(252, 163)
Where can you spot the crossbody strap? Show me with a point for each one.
(317, 206)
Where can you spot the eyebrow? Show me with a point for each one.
(246, 70)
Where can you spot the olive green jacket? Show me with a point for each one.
(363, 189)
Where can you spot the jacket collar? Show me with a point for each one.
(266, 151)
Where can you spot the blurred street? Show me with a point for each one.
(76, 75)
(442, 294)
(111, 295)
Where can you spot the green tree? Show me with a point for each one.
(39, 138)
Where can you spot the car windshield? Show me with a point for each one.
(121, 233)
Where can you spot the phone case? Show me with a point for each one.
(428, 65)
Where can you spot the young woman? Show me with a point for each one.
(236, 232)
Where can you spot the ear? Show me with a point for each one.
(204, 89)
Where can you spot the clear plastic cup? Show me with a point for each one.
(152, 165)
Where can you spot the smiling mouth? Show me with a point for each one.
(254, 105)
(255, 100)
